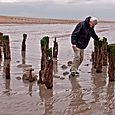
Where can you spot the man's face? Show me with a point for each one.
(91, 24)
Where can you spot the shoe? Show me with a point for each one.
(77, 72)
(73, 73)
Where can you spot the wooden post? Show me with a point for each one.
(55, 49)
(46, 72)
(111, 60)
(49, 71)
(99, 56)
(7, 68)
(23, 51)
(1, 38)
(24, 42)
(0, 53)
(44, 58)
(105, 43)
(6, 47)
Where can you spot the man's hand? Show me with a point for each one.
(100, 38)
(73, 45)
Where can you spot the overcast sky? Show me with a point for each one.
(67, 9)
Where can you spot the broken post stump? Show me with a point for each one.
(99, 56)
(111, 60)
(55, 49)
(6, 47)
(46, 72)
(7, 68)
(49, 71)
(24, 42)
(99, 60)
(1, 38)
(105, 43)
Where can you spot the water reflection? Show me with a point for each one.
(23, 57)
(30, 88)
(6, 72)
(77, 104)
(55, 66)
(46, 97)
(109, 105)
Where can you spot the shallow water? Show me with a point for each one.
(87, 94)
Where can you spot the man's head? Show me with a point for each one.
(92, 22)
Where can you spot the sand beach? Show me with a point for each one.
(90, 93)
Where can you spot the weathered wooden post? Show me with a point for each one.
(6, 47)
(105, 43)
(1, 38)
(111, 60)
(49, 71)
(95, 55)
(0, 53)
(55, 49)
(24, 42)
(44, 58)
(7, 68)
(46, 72)
(99, 56)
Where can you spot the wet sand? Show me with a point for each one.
(89, 93)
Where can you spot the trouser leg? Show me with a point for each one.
(78, 58)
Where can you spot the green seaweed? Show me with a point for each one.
(111, 49)
(45, 40)
(49, 51)
(5, 38)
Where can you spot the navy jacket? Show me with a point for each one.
(82, 33)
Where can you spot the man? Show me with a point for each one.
(80, 38)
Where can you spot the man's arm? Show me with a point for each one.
(94, 35)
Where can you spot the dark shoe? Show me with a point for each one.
(77, 72)
(73, 73)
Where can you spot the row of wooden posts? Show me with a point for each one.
(46, 72)
(104, 55)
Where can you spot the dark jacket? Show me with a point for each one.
(82, 33)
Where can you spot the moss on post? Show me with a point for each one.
(111, 60)
(46, 72)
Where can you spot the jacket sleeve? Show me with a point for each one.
(75, 33)
(94, 35)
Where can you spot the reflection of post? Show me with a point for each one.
(55, 49)
(55, 65)
(46, 96)
(7, 68)
(30, 88)
(23, 57)
(110, 97)
(7, 84)
(99, 81)
(77, 103)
